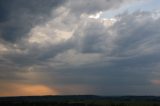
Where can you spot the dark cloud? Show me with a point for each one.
(89, 37)
(19, 16)
(68, 49)
(137, 33)
(133, 34)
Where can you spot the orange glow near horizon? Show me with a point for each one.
(27, 90)
(155, 82)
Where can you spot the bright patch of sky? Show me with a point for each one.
(143, 5)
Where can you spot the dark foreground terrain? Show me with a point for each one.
(81, 100)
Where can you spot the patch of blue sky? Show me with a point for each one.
(144, 5)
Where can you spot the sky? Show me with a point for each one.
(77, 47)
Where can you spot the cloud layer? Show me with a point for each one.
(66, 47)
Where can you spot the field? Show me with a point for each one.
(81, 100)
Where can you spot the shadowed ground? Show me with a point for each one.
(80, 100)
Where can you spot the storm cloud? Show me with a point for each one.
(19, 16)
(66, 47)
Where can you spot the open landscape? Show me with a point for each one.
(81, 100)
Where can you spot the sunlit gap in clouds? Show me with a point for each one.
(30, 84)
(21, 89)
(105, 20)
